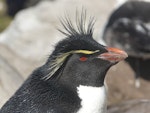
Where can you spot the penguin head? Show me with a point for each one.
(79, 59)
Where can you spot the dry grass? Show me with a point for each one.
(4, 18)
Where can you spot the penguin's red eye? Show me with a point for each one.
(83, 59)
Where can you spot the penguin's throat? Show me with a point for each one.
(93, 99)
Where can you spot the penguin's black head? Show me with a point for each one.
(79, 59)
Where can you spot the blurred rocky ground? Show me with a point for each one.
(27, 42)
(133, 106)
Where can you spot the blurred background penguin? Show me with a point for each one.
(128, 28)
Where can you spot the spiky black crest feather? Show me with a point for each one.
(81, 27)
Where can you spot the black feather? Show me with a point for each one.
(79, 28)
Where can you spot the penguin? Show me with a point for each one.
(128, 28)
(72, 78)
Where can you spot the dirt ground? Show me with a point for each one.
(121, 85)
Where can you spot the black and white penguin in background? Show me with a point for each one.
(128, 28)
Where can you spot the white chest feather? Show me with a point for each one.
(93, 99)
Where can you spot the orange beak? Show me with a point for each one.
(113, 55)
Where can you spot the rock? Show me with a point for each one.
(133, 106)
(37, 31)
(120, 81)
(13, 71)
(10, 78)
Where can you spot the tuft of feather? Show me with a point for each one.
(81, 26)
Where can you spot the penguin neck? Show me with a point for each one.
(93, 99)
(88, 78)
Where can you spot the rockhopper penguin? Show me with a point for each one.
(72, 79)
